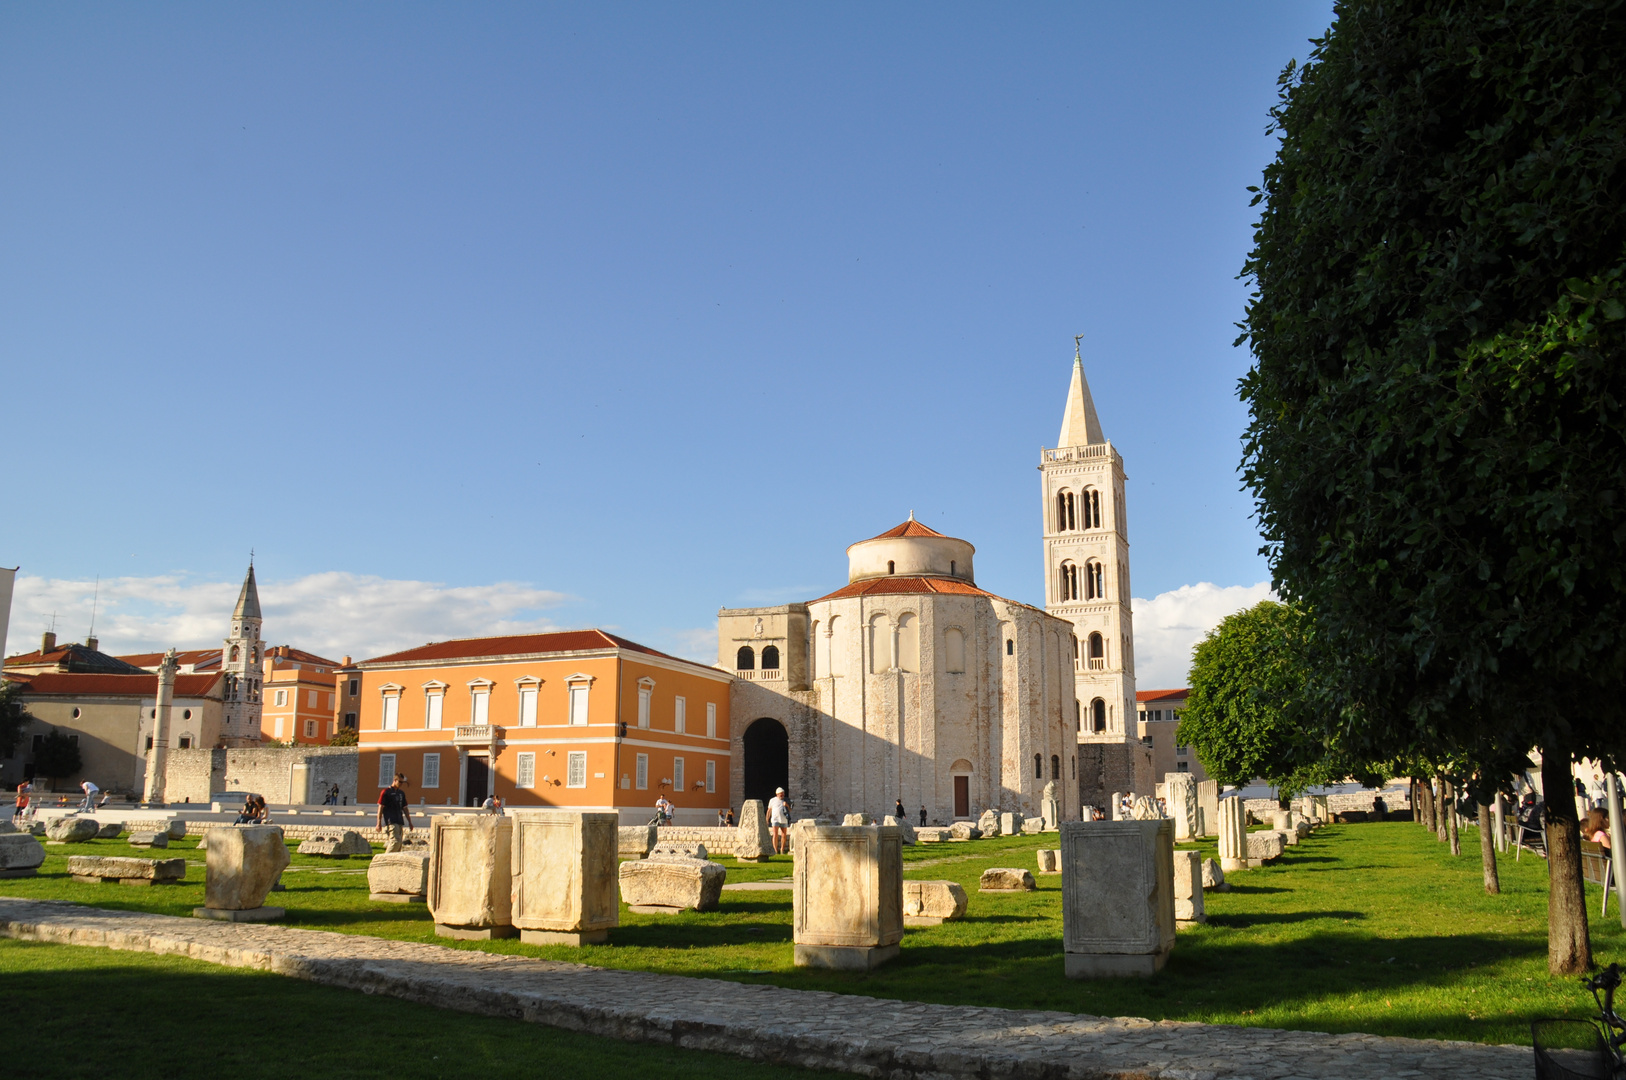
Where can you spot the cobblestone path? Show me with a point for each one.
(855, 1034)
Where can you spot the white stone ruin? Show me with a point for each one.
(754, 842)
(399, 877)
(847, 896)
(20, 855)
(471, 876)
(1117, 897)
(1188, 889)
(1208, 807)
(1233, 834)
(243, 863)
(1180, 795)
(931, 903)
(564, 877)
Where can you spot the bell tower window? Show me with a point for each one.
(745, 659)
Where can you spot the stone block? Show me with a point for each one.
(1049, 860)
(1208, 805)
(666, 885)
(1033, 826)
(1188, 888)
(1010, 823)
(259, 914)
(1213, 876)
(964, 830)
(108, 830)
(930, 903)
(1180, 796)
(149, 839)
(857, 819)
(905, 830)
(327, 849)
(754, 842)
(471, 876)
(847, 896)
(931, 835)
(130, 871)
(176, 828)
(20, 855)
(564, 876)
(1005, 879)
(637, 841)
(988, 823)
(243, 863)
(1145, 808)
(1264, 846)
(1117, 897)
(72, 829)
(676, 850)
(6, 827)
(399, 874)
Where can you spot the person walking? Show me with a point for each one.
(394, 819)
(779, 821)
(91, 791)
(19, 813)
(900, 813)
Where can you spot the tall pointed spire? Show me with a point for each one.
(1079, 425)
(248, 600)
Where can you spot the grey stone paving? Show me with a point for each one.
(855, 1034)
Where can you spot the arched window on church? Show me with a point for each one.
(745, 659)
(908, 643)
(1094, 581)
(1078, 715)
(1010, 647)
(1069, 581)
(1066, 512)
(770, 658)
(891, 567)
(954, 649)
(1098, 653)
(1055, 766)
(235, 653)
(1038, 766)
(1098, 715)
(1092, 508)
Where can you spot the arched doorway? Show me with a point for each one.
(767, 759)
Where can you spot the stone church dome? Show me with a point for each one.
(910, 549)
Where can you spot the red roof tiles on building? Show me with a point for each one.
(908, 528)
(1160, 695)
(881, 586)
(191, 686)
(521, 645)
(194, 657)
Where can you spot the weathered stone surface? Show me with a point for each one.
(1050, 807)
(1208, 806)
(847, 896)
(755, 841)
(471, 875)
(964, 830)
(403, 872)
(6, 827)
(931, 834)
(988, 823)
(122, 868)
(679, 851)
(1117, 897)
(1010, 823)
(1188, 888)
(1301, 829)
(857, 819)
(905, 830)
(635, 841)
(328, 849)
(20, 855)
(1005, 879)
(72, 829)
(672, 884)
(1049, 860)
(1233, 834)
(564, 874)
(1033, 826)
(927, 903)
(176, 828)
(339, 844)
(244, 861)
(1213, 876)
(1265, 845)
(108, 830)
(1145, 808)
(149, 839)
(1180, 796)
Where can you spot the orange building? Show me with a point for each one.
(580, 720)
(298, 696)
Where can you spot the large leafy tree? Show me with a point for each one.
(1438, 443)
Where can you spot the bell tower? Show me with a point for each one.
(240, 662)
(1086, 565)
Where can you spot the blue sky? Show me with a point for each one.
(609, 315)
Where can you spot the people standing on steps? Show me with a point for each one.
(394, 819)
(779, 821)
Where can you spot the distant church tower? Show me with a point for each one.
(240, 663)
(1086, 557)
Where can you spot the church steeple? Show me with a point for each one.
(248, 599)
(1079, 425)
(240, 662)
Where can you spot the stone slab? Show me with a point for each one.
(94, 868)
(20, 854)
(844, 957)
(246, 915)
(814, 1029)
(1005, 879)
(932, 902)
(475, 933)
(564, 937)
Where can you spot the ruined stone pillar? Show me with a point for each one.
(152, 791)
(1233, 834)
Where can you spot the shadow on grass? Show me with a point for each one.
(1266, 918)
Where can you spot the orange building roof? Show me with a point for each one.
(195, 657)
(906, 584)
(1160, 695)
(522, 645)
(114, 685)
(298, 656)
(908, 528)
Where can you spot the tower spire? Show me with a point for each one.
(1079, 424)
(248, 598)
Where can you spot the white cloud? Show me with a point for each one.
(698, 644)
(1170, 624)
(331, 613)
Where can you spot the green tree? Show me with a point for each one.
(57, 756)
(345, 736)
(14, 717)
(1437, 442)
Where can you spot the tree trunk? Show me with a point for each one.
(1568, 950)
(1451, 818)
(1440, 805)
(1487, 851)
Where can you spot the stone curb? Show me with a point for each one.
(815, 1029)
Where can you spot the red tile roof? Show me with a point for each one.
(300, 656)
(908, 528)
(208, 657)
(1160, 695)
(521, 645)
(191, 686)
(74, 657)
(879, 586)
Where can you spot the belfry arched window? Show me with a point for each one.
(745, 659)
(1098, 653)
(770, 658)
(1038, 767)
(1055, 766)
(1094, 581)
(1066, 512)
(1068, 587)
(1091, 508)
(1098, 715)
(891, 567)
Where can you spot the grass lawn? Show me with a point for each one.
(1372, 928)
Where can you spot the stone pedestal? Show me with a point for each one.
(1188, 888)
(1116, 811)
(20, 855)
(1208, 806)
(754, 842)
(399, 877)
(1265, 846)
(1010, 824)
(635, 841)
(932, 903)
(564, 877)
(470, 876)
(1233, 834)
(1049, 860)
(667, 884)
(1180, 796)
(243, 864)
(1117, 897)
(847, 896)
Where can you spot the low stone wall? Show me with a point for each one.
(283, 774)
(1336, 804)
(718, 841)
(303, 831)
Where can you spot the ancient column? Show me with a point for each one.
(152, 792)
(1180, 793)
(1233, 835)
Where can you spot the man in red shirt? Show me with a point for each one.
(394, 819)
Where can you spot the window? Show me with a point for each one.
(1065, 506)
(276, 729)
(576, 768)
(1010, 647)
(1074, 760)
(1181, 751)
(330, 701)
(1182, 766)
(1068, 586)
(431, 770)
(1091, 501)
(641, 779)
(880, 646)
(745, 659)
(392, 712)
(280, 698)
(355, 687)
(310, 729)
(526, 771)
(1098, 715)
(1055, 766)
(149, 742)
(677, 774)
(311, 698)
(527, 706)
(434, 704)
(480, 715)
(644, 694)
(386, 769)
(680, 715)
(908, 643)
(891, 568)
(1038, 766)
(186, 714)
(951, 568)
(770, 658)
(349, 719)
(711, 777)
(1098, 653)
(578, 705)
(954, 649)
(1094, 582)
(711, 719)
(186, 742)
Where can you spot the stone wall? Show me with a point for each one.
(272, 771)
(1107, 767)
(1337, 804)
(717, 841)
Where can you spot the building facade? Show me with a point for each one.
(580, 720)
(1158, 721)
(299, 698)
(1086, 562)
